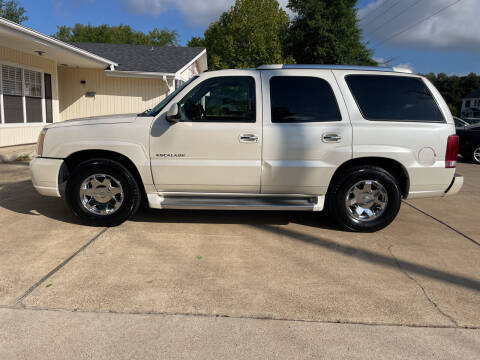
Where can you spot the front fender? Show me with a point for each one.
(128, 139)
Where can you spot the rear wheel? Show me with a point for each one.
(103, 192)
(364, 199)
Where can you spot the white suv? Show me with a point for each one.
(355, 140)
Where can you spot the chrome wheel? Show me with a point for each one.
(366, 200)
(101, 194)
(476, 154)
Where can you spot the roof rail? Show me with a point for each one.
(335, 67)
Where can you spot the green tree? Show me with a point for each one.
(250, 34)
(454, 88)
(10, 10)
(121, 34)
(326, 32)
(164, 37)
(197, 42)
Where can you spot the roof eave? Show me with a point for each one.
(138, 74)
(204, 51)
(49, 41)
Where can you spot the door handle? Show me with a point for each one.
(248, 138)
(331, 138)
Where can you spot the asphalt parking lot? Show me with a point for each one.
(244, 284)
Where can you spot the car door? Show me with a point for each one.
(216, 145)
(307, 132)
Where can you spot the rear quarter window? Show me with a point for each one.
(394, 98)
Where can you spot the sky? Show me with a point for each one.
(423, 35)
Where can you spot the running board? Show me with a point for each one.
(235, 202)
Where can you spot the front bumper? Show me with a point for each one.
(45, 175)
(455, 186)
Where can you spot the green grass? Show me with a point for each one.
(23, 158)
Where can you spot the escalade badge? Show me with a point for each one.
(171, 155)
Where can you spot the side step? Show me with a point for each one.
(236, 202)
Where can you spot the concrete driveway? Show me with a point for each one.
(238, 284)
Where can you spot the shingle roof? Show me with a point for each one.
(473, 95)
(145, 58)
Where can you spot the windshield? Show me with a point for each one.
(159, 107)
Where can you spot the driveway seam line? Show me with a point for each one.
(443, 223)
(239, 317)
(58, 267)
(422, 288)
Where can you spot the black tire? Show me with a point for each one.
(131, 192)
(474, 157)
(337, 197)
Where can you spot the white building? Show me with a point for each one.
(44, 80)
(471, 105)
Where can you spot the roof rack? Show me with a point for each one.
(335, 67)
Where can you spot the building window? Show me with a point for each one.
(48, 98)
(22, 97)
(12, 91)
(467, 103)
(33, 96)
(33, 83)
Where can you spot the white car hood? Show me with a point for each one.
(95, 120)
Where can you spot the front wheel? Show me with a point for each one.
(103, 192)
(364, 199)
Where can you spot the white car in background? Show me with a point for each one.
(352, 140)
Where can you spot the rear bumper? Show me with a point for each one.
(455, 186)
(431, 191)
(45, 174)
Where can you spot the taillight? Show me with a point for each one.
(452, 151)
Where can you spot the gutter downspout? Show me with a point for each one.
(171, 88)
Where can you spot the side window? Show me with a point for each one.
(296, 99)
(221, 99)
(394, 98)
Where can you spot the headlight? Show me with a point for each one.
(41, 139)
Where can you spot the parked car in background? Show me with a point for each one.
(460, 123)
(352, 140)
(472, 121)
(470, 142)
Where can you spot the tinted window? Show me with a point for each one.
(302, 99)
(222, 99)
(394, 98)
(156, 110)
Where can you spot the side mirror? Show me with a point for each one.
(173, 115)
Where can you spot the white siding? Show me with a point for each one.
(113, 95)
